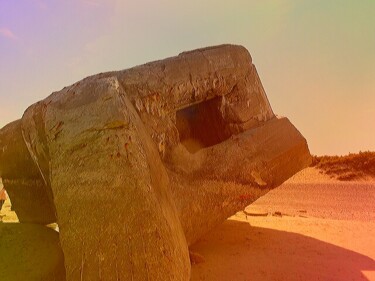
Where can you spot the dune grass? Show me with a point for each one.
(347, 167)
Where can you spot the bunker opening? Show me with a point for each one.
(202, 125)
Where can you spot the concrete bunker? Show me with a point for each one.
(88, 142)
(202, 125)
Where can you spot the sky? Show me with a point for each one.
(316, 58)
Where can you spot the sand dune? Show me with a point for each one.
(326, 231)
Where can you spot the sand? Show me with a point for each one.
(311, 228)
(326, 231)
(6, 213)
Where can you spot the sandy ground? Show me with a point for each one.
(6, 214)
(326, 231)
(310, 228)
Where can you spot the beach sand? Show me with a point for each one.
(312, 227)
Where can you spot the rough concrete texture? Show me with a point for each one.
(141, 162)
(31, 195)
(30, 252)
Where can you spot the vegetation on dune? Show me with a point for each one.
(348, 167)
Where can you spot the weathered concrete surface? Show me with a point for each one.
(141, 162)
(216, 182)
(223, 74)
(31, 196)
(115, 211)
(30, 252)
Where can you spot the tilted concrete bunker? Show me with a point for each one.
(136, 165)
